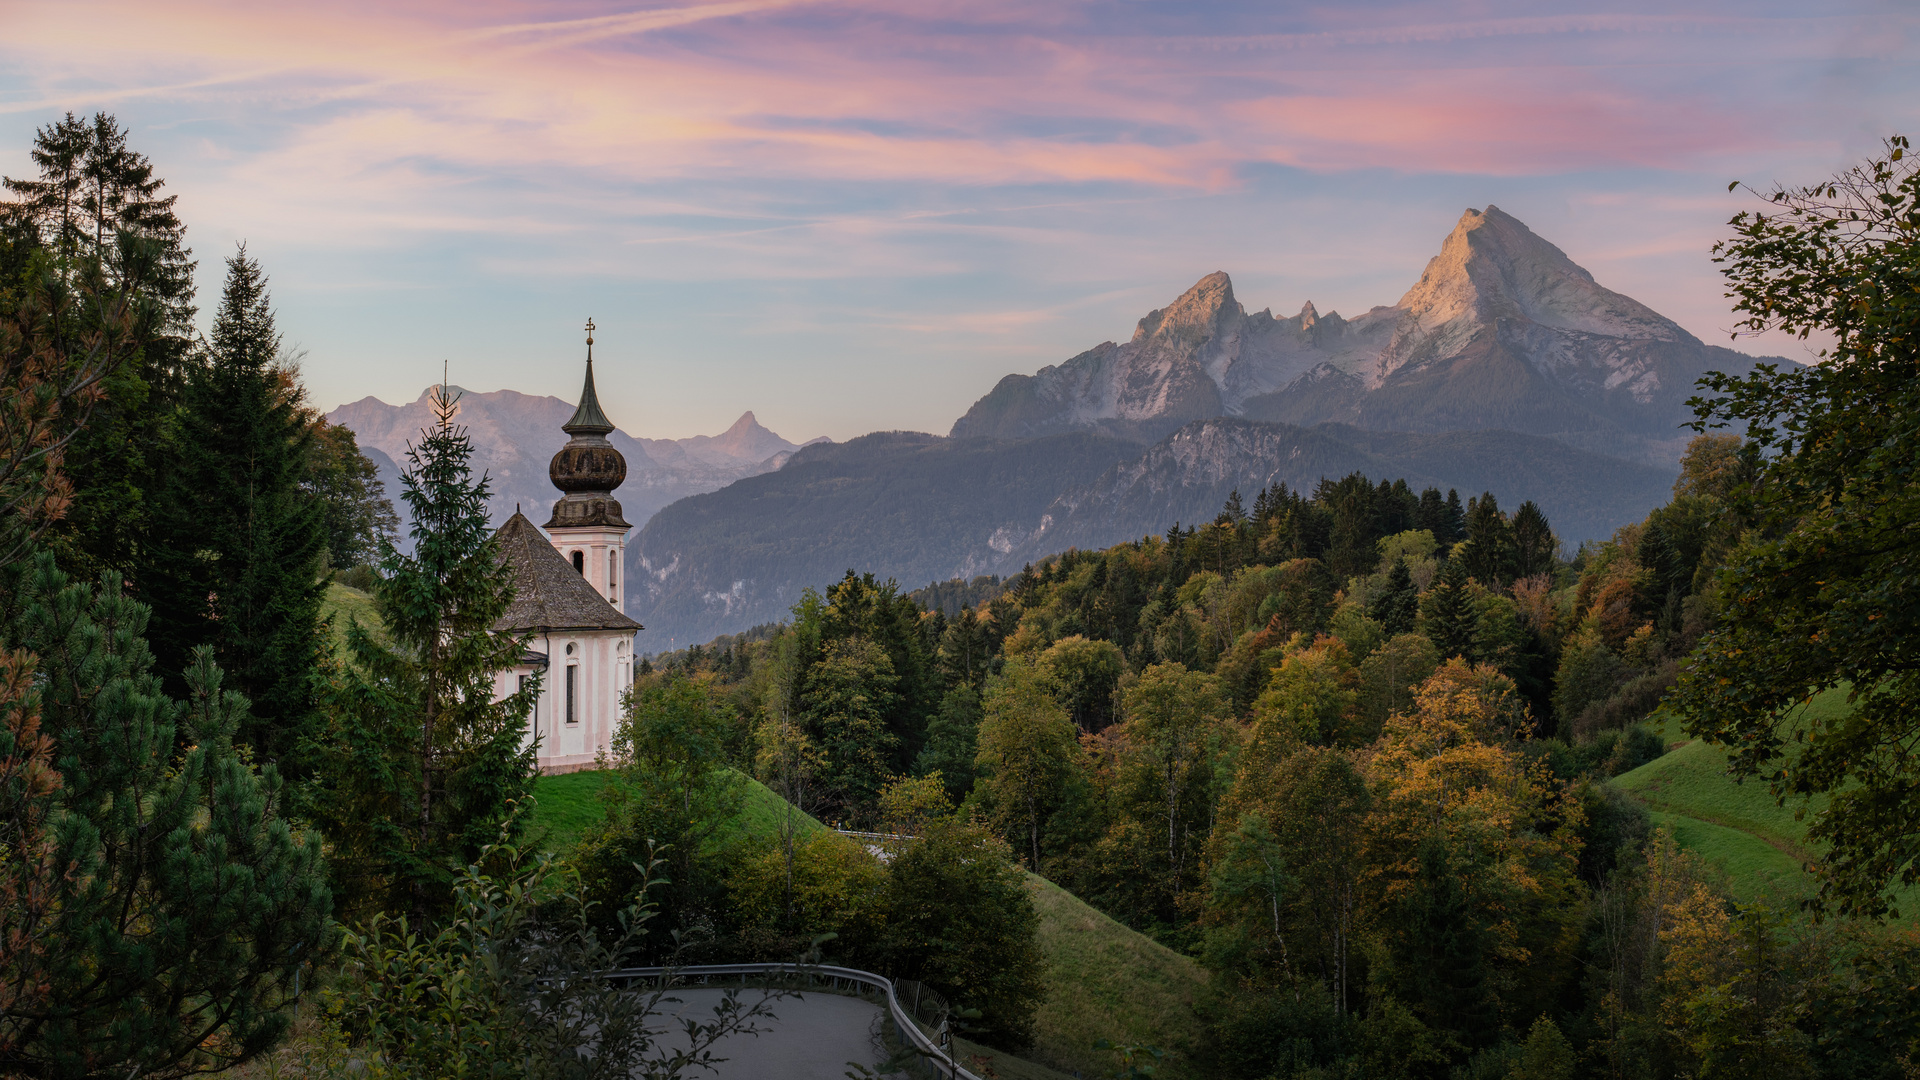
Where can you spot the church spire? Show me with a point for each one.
(588, 419)
(588, 468)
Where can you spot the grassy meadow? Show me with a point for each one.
(1738, 825)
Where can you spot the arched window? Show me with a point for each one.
(613, 573)
(580, 563)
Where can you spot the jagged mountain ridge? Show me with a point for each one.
(515, 436)
(919, 508)
(1502, 330)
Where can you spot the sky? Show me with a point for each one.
(858, 216)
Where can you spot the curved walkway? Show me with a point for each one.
(813, 1036)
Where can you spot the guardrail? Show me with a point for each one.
(940, 1060)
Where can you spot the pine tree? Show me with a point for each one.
(1450, 620)
(238, 546)
(187, 905)
(1453, 520)
(1398, 605)
(95, 214)
(421, 765)
(1533, 541)
(53, 202)
(1490, 550)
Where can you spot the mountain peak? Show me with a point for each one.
(1195, 316)
(746, 424)
(1492, 267)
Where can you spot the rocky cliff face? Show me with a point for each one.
(516, 435)
(1502, 330)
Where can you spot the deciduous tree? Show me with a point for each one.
(1826, 593)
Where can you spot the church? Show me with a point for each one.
(569, 595)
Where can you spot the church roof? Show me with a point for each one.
(549, 593)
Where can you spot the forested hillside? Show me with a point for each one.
(1351, 747)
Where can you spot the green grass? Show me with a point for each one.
(345, 604)
(1737, 826)
(977, 1059)
(566, 806)
(1108, 982)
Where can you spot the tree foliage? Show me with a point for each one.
(1825, 592)
(237, 553)
(184, 905)
(422, 763)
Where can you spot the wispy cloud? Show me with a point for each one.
(1046, 163)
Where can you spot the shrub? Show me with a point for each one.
(961, 920)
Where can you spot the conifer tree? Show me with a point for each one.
(1398, 605)
(1533, 541)
(1451, 621)
(1490, 549)
(421, 764)
(237, 551)
(185, 904)
(94, 214)
(1453, 520)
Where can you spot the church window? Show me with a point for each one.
(580, 563)
(573, 672)
(613, 570)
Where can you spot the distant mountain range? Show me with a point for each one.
(1501, 331)
(920, 508)
(516, 435)
(1505, 368)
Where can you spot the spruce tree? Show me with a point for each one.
(1398, 605)
(1453, 520)
(1490, 551)
(1534, 544)
(237, 551)
(93, 219)
(1431, 514)
(421, 765)
(1450, 619)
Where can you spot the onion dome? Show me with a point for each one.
(589, 467)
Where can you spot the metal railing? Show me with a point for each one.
(937, 1060)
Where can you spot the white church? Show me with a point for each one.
(569, 595)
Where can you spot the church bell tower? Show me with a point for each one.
(586, 528)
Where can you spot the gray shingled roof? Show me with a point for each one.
(550, 594)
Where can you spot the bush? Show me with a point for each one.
(515, 985)
(1635, 700)
(361, 577)
(961, 920)
(833, 887)
(1255, 1032)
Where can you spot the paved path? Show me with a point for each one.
(811, 1037)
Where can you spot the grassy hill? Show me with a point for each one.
(1106, 981)
(1737, 825)
(566, 806)
(345, 604)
